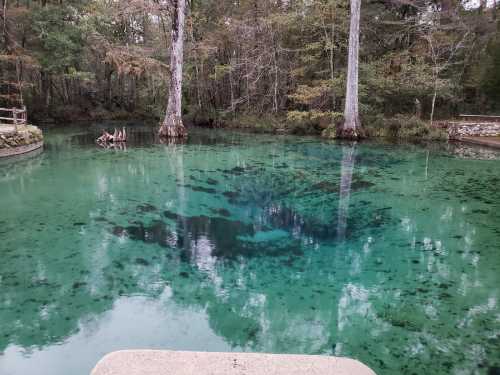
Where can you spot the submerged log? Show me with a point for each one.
(118, 136)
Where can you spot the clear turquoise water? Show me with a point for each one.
(233, 242)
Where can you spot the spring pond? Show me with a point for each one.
(387, 253)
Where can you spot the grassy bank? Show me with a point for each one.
(403, 127)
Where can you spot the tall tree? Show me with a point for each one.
(172, 126)
(447, 37)
(351, 127)
(4, 23)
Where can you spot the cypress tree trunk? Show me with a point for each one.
(172, 126)
(351, 128)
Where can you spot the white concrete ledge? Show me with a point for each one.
(163, 362)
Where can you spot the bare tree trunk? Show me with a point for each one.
(231, 86)
(65, 94)
(418, 109)
(332, 67)
(276, 72)
(276, 83)
(6, 40)
(247, 79)
(172, 126)
(330, 39)
(433, 106)
(108, 92)
(46, 89)
(351, 127)
(196, 67)
(482, 6)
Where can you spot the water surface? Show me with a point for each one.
(234, 242)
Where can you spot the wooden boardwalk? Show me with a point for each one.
(480, 118)
(18, 116)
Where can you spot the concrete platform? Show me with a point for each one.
(10, 152)
(163, 362)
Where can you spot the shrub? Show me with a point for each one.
(311, 122)
(374, 125)
(404, 126)
(401, 126)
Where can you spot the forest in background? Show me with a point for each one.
(271, 64)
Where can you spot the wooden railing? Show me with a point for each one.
(485, 118)
(19, 116)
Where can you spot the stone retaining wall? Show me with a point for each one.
(473, 129)
(25, 139)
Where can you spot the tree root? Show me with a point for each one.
(172, 128)
(350, 134)
(172, 132)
